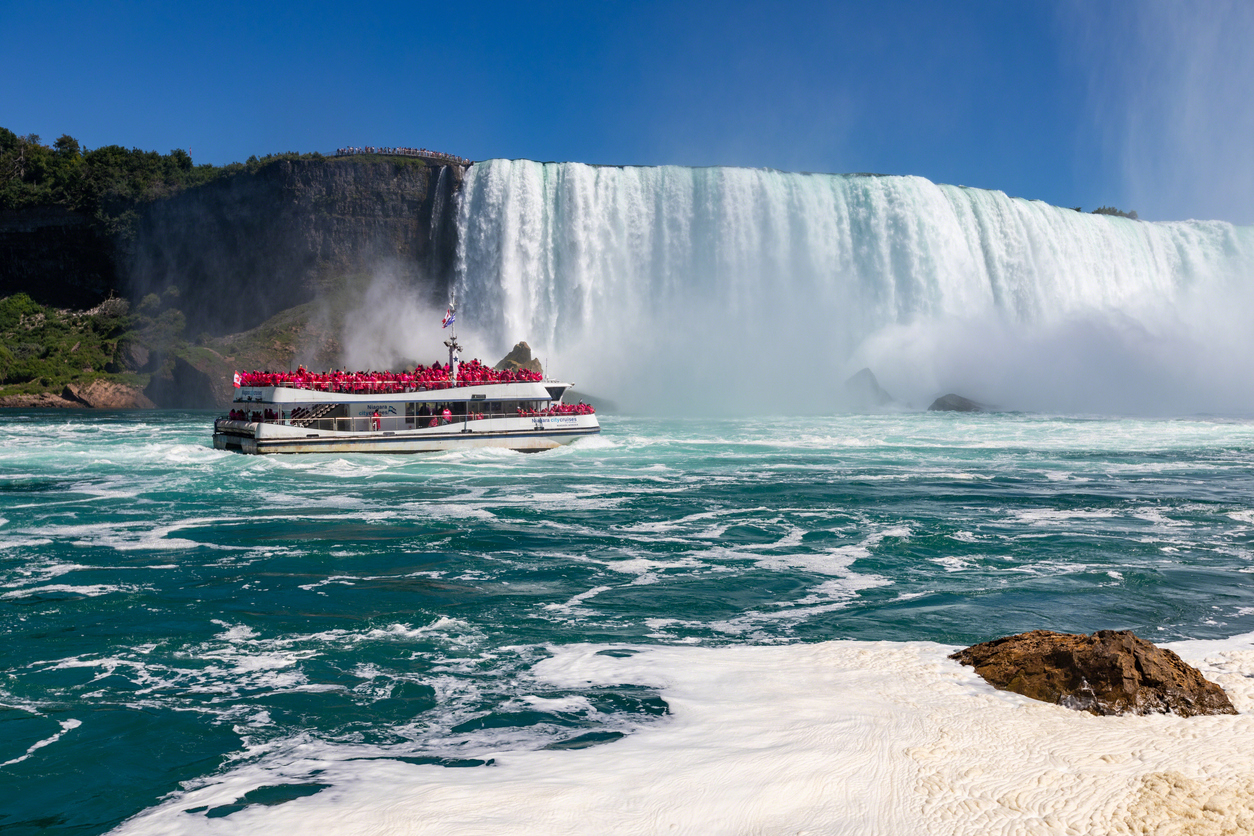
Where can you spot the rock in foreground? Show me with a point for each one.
(1109, 672)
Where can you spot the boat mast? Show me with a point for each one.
(451, 342)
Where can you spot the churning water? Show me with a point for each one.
(703, 626)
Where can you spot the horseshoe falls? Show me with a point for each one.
(691, 290)
(731, 612)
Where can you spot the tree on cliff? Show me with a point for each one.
(106, 183)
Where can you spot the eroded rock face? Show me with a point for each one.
(519, 358)
(1109, 672)
(104, 394)
(40, 400)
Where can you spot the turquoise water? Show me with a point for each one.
(171, 612)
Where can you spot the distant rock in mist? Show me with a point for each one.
(956, 403)
(864, 391)
(177, 384)
(519, 358)
(1109, 672)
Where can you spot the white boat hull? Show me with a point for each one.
(525, 434)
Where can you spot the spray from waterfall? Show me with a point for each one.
(738, 290)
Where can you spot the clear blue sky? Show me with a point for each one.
(1143, 105)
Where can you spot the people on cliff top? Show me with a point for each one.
(401, 151)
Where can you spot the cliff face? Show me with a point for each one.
(56, 256)
(247, 246)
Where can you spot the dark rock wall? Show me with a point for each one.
(248, 246)
(56, 256)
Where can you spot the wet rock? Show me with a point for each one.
(1109, 672)
(955, 403)
(519, 358)
(105, 394)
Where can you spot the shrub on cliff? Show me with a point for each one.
(42, 348)
(1110, 210)
(14, 308)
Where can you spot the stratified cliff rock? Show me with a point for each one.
(246, 246)
(56, 256)
(106, 394)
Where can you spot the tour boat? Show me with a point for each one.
(378, 413)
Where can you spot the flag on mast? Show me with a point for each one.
(450, 317)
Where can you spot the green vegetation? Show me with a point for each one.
(1110, 210)
(108, 183)
(44, 348)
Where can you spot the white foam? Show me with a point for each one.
(66, 725)
(86, 590)
(833, 738)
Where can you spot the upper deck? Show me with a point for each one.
(474, 382)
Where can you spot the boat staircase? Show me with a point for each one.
(314, 414)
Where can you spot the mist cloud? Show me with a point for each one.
(1170, 86)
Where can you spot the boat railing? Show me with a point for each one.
(384, 423)
(393, 423)
(381, 387)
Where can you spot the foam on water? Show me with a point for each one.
(857, 737)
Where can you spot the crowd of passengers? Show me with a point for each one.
(403, 152)
(425, 416)
(421, 379)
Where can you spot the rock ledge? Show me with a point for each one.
(1109, 672)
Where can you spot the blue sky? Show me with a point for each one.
(1144, 105)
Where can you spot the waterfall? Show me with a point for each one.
(731, 288)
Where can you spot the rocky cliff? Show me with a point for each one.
(249, 245)
(56, 256)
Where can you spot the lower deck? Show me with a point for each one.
(378, 435)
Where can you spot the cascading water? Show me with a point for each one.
(673, 286)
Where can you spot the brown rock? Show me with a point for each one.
(105, 394)
(1109, 672)
(519, 358)
(41, 400)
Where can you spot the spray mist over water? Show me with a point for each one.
(722, 289)
(393, 322)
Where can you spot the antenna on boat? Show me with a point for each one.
(451, 342)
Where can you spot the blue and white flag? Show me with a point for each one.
(449, 318)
